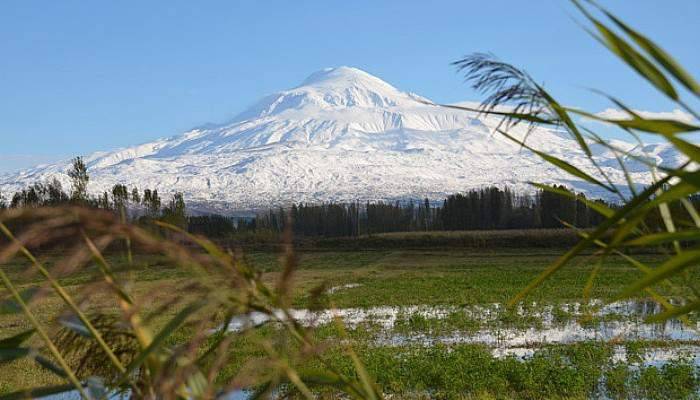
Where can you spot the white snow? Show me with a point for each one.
(342, 135)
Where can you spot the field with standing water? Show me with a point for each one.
(432, 323)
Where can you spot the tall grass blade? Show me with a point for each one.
(11, 306)
(669, 268)
(657, 53)
(630, 56)
(37, 393)
(16, 340)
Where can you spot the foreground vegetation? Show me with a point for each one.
(452, 278)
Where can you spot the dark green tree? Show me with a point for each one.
(154, 204)
(120, 197)
(79, 178)
(135, 197)
(103, 202)
(55, 193)
(146, 200)
(176, 213)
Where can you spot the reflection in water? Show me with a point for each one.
(621, 321)
(617, 321)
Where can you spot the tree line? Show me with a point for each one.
(130, 203)
(489, 208)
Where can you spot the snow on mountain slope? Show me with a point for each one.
(342, 135)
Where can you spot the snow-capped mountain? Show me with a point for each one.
(342, 135)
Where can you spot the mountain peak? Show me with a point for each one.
(344, 76)
(332, 88)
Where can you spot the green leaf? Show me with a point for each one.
(559, 163)
(690, 183)
(658, 54)
(591, 280)
(10, 305)
(671, 267)
(688, 186)
(16, 340)
(630, 56)
(594, 236)
(566, 120)
(519, 116)
(665, 127)
(161, 337)
(38, 392)
(687, 148)
(675, 312)
(48, 365)
(219, 336)
(11, 354)
(74, 324)
(665, 237)
(600, 208)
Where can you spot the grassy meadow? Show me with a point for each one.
(413, 357)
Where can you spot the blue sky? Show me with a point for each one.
(79, 76)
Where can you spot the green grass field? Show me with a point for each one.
(452, 279)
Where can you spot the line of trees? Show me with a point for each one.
(120, 199)
(478, 209)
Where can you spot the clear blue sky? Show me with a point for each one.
(81, 76)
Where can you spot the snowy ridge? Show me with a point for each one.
(342, 135)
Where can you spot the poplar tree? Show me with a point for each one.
(79, 178)
(175, 213)
(135, 197)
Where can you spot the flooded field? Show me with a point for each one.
(497, 327)
(432, 324)
(610, 349)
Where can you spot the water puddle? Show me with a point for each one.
(503, 332)
(571, 332)
(336, 289)
(538, 326)
(650, 357)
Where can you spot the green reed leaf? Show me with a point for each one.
(11, 354)
(689, 149)
(665, 237)
(16, 340)
(566, 120)
(630, 56)
(665, 127)
(11, 306)
(159, 340)
(559, 163)
(671, 267)
(36, 393)
(676, 312)
(588, 241)
(657, 53)
(50, 366)
(600, 208)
